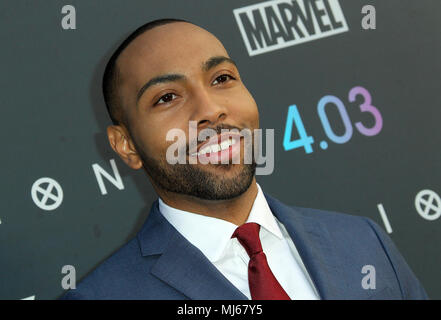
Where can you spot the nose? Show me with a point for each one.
(207, 109)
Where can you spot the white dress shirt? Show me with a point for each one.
(230, 257)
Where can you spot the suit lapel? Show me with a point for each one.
(314, 244)
(181, 265)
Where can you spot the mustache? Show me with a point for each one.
(215, 131)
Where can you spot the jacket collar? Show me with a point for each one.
(182, 265)
(315, 246)
(185, 268)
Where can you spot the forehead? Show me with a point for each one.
(175, 47)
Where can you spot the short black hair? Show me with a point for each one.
(111, 72)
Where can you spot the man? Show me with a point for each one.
(213, 233)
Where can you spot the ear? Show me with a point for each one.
(122, 144)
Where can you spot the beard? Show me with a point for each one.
(193, 180)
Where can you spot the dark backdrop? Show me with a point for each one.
(54, 126)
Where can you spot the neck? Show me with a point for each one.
(234, 210)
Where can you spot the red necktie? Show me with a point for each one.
(263, 284)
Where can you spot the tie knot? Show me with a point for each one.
(248, 236)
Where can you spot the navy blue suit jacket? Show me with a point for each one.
(159, 263)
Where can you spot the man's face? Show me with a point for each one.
(196, 83)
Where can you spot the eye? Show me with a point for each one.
(223, 78)
(165, 98)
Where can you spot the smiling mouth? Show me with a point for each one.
(216, 147)
(221, 146)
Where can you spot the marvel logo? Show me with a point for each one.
(273, 25)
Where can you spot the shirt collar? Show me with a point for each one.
(261, 214)
(211, 235)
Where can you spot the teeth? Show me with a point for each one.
(216, 147)
(205, 150)
(224, 145)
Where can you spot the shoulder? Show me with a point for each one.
(340, 221)
(358, 240)
(348, 230)
(337, 225)
(329, 216)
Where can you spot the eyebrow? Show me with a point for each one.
(173, 77)
(214, 61)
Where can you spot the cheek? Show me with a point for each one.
(249, 112)
(149, 137)
(153, 136)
